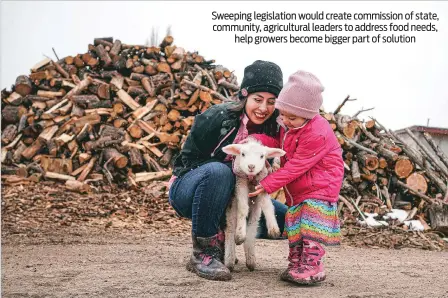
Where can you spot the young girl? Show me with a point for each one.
(311, 173)
(203, 180)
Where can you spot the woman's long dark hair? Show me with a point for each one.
(270, 127)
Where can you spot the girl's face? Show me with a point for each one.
(291, 121)
(260, 106)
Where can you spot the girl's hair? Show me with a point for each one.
(270, 127)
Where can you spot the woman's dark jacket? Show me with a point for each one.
(208, 135)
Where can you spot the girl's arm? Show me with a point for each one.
(309, 152)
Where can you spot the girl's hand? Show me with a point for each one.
(258, 190)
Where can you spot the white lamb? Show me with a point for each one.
(249, 167)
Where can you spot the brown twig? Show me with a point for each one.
(55, 54)
(343, 103)
(360, 111)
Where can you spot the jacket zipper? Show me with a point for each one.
(219, 144)
(286, 188)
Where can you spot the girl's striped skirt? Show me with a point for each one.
(314, 220)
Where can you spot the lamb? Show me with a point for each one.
(249, 166)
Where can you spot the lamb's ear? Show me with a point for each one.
(274, 152)
(234, 149)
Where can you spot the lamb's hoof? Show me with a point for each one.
(230, 267)
(250, 266)
(230, 264)
(239, 239)
(274, 233)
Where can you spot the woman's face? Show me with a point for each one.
(260, 106)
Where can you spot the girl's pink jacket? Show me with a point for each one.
(312, 166)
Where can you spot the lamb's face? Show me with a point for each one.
(251, 156)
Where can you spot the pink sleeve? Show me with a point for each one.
(307, 155)
(267, 140)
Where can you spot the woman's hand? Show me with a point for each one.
(258, 190)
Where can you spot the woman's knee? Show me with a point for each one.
(218, 171)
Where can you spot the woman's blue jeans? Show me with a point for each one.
(203, 195)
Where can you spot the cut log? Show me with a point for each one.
(128, 100)
(87, 170)
(417, 182)
(40, 64)
(77, 186)
(56, 165)
(403, 167)
(151, 164)
(61, 70)
(75, 91)
(91, 119)
(136, 158)
(8, 134)
(83, 157)
(148, 86)
(203, 88)
(387, 153)
(23, 85)
(368, 161)
(173, 115)
(205, 96)
(419, 160)
(14, 99)
(12, 114)
(163, 67)
(166, 158)
(356, 176)
(382, 163)
(135, 131)
(119, 160)
(48, 133)
(17, 156)
(85, 101)
(146, 177)
(32, 150)
(102, 142)
(58, 176)
(116, 48)
(369, 177)
(50, 94)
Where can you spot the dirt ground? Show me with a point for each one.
(143, 264)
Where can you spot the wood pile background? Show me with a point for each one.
(116, 113)
(119, 113)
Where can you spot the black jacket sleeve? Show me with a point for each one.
(204, 135)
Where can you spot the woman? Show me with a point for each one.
(203, 181)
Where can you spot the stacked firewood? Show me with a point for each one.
(117, 113)
(384, 172)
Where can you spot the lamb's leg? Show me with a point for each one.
(269, 215)
(249, 244)
(229, 255)
(242, 197)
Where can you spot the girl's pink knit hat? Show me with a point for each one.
(301, 95)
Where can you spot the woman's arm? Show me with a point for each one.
(204, 135)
